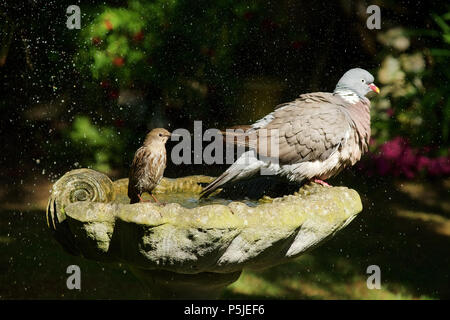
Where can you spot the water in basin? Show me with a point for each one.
(185, 199)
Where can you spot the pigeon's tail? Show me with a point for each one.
(238, 138)
(219, 181)
(246, 165)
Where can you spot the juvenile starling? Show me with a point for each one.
(317, 135)
(148, 165)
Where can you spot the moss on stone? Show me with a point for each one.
(219, 238)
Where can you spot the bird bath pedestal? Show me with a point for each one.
(189, 248)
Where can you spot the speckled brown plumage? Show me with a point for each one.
(148, 165)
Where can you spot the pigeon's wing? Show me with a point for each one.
(307, 129)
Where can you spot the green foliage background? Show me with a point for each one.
(87, 97)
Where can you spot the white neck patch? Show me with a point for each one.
(348, 95)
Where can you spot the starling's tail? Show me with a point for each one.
(133, 195)
(134, 200)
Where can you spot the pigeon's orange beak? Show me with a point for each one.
(374, 88)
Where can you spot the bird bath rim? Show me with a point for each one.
(192, 243)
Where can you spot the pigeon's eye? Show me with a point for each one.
(160, 134)
(362, 80)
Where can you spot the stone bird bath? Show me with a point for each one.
(187, 248)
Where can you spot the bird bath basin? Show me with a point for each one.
(190, 248)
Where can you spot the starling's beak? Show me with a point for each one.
(374, 88)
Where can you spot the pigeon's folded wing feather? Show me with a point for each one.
(308, 129)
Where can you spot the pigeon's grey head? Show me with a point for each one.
(357, 80)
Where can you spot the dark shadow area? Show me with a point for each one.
(257, 188)
(33, 265)
(411, 253)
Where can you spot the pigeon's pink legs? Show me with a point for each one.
(321, 182)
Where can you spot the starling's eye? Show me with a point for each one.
(160, 134)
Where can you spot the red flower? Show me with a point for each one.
(104, 84)
(119, 123)
(113, 94)
(248, 15)
(208, 52)
(108, 25)
(269, 25)
(297, 44)
(118, 61)
(390, 112)
(96, 41)
(138, 36)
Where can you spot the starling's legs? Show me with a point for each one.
(156, 200)
(142, 200)
(321, 182)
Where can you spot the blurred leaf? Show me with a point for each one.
(98, 147)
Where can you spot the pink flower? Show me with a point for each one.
(433, 168)
(439, 166)
(397, 158)
(446, 165)
(393, 149)
(423, 162)
(409, 157)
